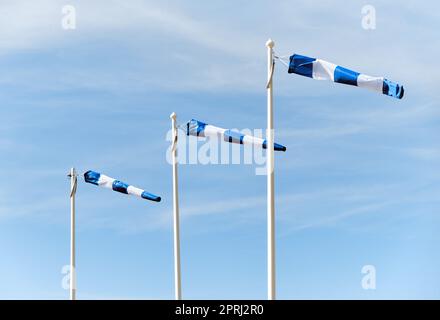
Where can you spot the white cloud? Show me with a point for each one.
(29, 25)
(222, 51)
(429, 153)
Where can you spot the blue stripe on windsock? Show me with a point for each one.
(118, 186)
(392, 89)
(92, 177)
(301, 65)
(276, 146)
(346, 76)
(201, 129)
(195, 128)
(323, 70)
(150, 196)
(233, 137)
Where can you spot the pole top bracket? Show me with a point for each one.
(270, 43)
(72, 173)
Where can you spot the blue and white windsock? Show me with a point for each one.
(116, 185)
(201, 129)
(323, 70)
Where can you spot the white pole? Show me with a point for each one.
(177, 277)
(270, 178)
(73, 184)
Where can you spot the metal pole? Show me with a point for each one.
(73, 184)
(177, 276)
(271, 292)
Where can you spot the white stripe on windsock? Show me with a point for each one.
(323, 70)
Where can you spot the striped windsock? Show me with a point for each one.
(323, 70)
(201, 129)
(116, 185)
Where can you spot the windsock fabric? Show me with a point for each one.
(116, 185)
(201, 129)
(322, 70)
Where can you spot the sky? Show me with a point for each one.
(359, 184)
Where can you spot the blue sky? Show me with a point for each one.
(359, 184)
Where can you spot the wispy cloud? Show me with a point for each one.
(296, 211)
(321, 133)
(43, 209)
(213, 58)
(332, 219)
(429, 154)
